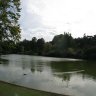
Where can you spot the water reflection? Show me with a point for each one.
(5, 62)
(72, 77)
(88, 69)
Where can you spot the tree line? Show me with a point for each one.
(63, 45)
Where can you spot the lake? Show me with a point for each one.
(60, 75)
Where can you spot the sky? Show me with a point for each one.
(47, 18)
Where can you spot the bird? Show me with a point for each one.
(24, 74)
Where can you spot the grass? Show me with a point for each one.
(7, 89)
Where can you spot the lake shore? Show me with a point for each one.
(8, 89)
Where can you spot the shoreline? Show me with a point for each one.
(31, 89)
(77, 59)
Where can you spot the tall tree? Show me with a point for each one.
(34, 44)
(40, 45)
(9, 16)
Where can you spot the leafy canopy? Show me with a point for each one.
(9, 16)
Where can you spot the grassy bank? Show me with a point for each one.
(12, 90)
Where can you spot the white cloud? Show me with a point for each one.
(46, 33)
(75, 16)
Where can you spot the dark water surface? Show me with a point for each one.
(64, 76)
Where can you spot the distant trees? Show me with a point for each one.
(7, 47)
(32, 47)
(40, 46)
(63, 45)
(67, 46)
(34, 44)
(86, 47)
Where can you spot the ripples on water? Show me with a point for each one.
(65, 76)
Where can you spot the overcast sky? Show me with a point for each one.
(46, 18)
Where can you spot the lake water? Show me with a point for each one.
(64, 76)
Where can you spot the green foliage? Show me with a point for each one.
(63, 45)
(40, 45)
(47, 47)
(9, 16)
(34, 45)
(63, 41)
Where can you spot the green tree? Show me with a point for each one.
(34, 44)
(47, 48)
(9, 16)
(40, 45)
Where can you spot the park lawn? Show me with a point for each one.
(12, 90)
